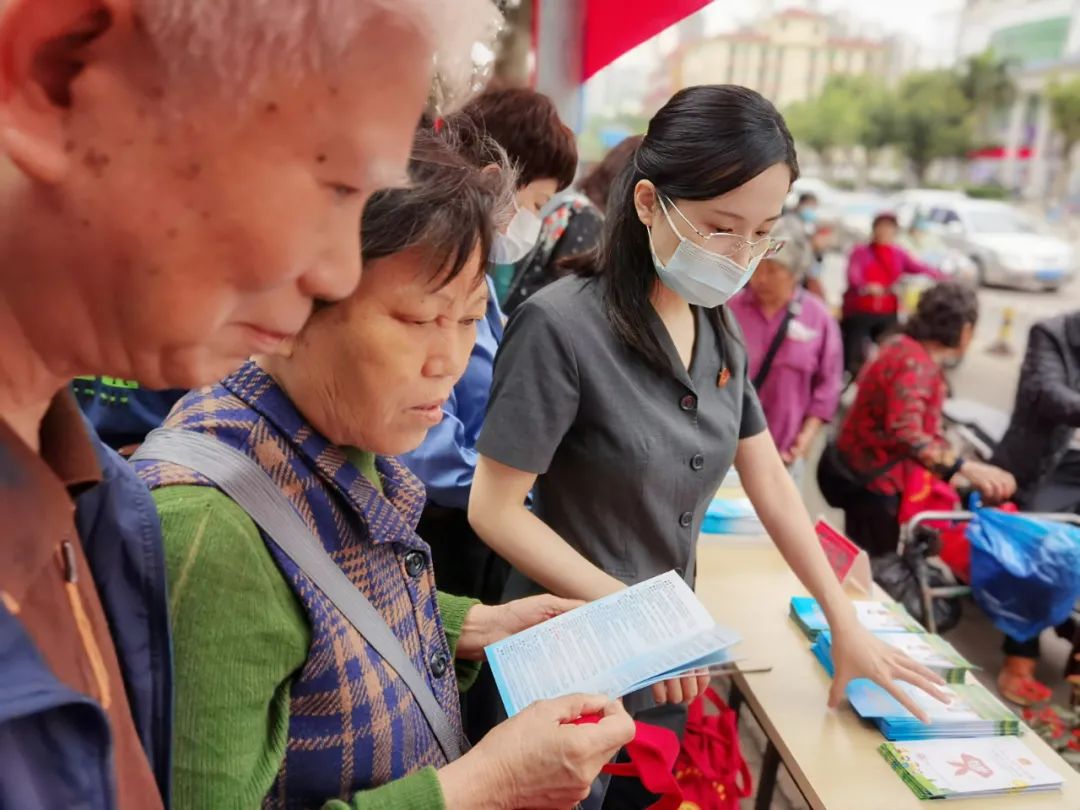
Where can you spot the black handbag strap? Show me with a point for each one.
(246, 483)
(861, 479)
(793, 310)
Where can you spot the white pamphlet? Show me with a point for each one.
(647, 633)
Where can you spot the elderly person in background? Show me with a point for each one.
(179, 180)
(305, 712)
(793, 343)
(896, 422)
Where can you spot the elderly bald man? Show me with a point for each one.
(180, 180)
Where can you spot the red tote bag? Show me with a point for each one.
(707, 772)
(710, 769)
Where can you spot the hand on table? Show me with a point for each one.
(486, 624)
(536, 759)
(858, 653)
(680, 690)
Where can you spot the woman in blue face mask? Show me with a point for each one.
(621, 397)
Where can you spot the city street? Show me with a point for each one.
(989, 379)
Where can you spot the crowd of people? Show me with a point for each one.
(307, 267)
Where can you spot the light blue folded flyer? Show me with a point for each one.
(651, 632)
(731, 516)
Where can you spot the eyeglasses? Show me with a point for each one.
(730, 244)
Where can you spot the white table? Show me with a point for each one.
(831, 755)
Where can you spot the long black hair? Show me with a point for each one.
(705, 142)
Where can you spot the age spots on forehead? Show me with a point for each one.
(271, 108)
(96, 161)
(190, 172)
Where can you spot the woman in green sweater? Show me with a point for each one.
(280, 702)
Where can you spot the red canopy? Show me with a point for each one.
(613, 27)
(1000, 153)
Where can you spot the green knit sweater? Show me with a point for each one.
(240, 637)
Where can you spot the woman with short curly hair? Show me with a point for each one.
(896, 420)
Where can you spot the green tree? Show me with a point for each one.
(987, 83)
(1064, 100)
(933, 119)
(830, 122)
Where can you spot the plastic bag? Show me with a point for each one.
(897, 576)
(1025, 573)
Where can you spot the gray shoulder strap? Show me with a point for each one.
(239, 477)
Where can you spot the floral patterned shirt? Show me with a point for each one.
(897, 417)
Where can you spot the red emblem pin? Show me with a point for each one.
(724, 377)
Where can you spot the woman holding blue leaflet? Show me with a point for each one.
(621, 397)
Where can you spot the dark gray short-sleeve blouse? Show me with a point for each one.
(628, 458)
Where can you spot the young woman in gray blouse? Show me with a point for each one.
(621, 396)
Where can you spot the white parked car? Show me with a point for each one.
(1007, 247)
(852, 215)
(812, 185)
(917, 203)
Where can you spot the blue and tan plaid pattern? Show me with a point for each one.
(353, 724)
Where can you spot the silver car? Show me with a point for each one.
(1006, 246)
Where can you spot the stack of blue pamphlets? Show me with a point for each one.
(877, 617)
(971, 712)
(731, 516)
(933, 652)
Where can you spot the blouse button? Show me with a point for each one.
(414, 563)
(688, 403)
(686, 519)
(697, 463)
(439, 664)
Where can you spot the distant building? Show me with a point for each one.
(1042, 39)
(1032, 32)
(787, 57)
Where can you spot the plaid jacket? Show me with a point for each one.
(354, 724)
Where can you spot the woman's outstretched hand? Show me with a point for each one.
(858, 653)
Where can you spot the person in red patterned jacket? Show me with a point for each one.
(896, 419)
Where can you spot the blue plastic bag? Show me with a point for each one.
(1025, 573)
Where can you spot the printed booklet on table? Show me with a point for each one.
(964, 769)
(931, 651)
(972, 711)
(883, 617)
(647, 633)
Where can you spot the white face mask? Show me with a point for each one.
(519, 240)
(700, 276)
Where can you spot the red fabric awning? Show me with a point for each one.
(613, 27)
(999, 153)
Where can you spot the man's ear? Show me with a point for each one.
(645, 201)
(43, 49)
